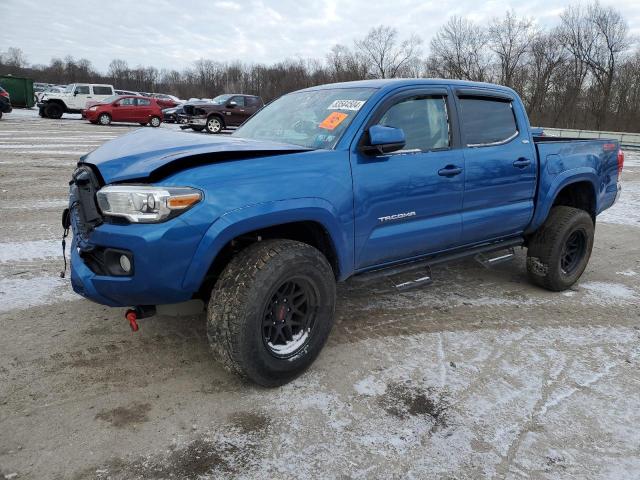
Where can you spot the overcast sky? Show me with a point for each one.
(174, 33)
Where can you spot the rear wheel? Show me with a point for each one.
(271, 311)
(155, 121)
(53, 110)
(104, 119)
(560, 250)
(214, 124)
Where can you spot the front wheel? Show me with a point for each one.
(560, 250)
(53, 110)
(214, 125)
(271, 311)
(104, 119)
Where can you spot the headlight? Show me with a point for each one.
(93, 109)
(146, 204)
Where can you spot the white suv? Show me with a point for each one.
(73, 99)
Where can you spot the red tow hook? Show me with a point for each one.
(136, 313)
(132, 317)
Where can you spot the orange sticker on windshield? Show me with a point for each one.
(333, 120)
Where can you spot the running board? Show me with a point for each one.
(419, 270)
(487, 261)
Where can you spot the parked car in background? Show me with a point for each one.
(229, 110)
(323, 184)
(166, 101)
(170, 115)
(5, 102)
(127, 92)
(134, 109)
(73, 99)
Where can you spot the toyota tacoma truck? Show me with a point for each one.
(229, 110)
(321, 185)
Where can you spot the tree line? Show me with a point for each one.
(582, 73)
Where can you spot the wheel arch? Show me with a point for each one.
(311, 220)
(574, 188)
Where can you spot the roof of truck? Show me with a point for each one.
(391, 83)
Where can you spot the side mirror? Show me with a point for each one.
(232, 105)
(75, 92)
(384, 140)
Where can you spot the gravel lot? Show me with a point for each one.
(478, 376)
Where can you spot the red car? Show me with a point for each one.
(125, 108)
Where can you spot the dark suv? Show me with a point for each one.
(229, 110)
(5, 102)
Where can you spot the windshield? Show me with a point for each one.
(312, 119)
(110, 99)
(69, 88)
(220, 99)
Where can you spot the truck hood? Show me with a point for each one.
(149, 154)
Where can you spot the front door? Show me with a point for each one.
(81, 94)
(408, 203)
(234, 115)
(125, 111)
(500, 165)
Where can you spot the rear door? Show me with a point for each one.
(143, 109)
(408, 202)
(100, 92)
(500, 162)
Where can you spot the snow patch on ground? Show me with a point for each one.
(20, 293)
(41, 204)
(370, 386)
(627, 273)
(626, 211)
(26, 251)
(604, 293)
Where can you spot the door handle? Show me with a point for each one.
(449, 171)
(522, 163)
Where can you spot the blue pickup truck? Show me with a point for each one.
(321, 185)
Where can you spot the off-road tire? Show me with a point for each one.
(53, 110)
(104, 119)
(197, 128)
(155, 122)
(546, 247)
(241, 297)
(215, 124)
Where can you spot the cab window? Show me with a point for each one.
(424, 120)
(238, 100)
(127, 102)
(478, 131)
(102, 91)
(82, 90)
(143, 102)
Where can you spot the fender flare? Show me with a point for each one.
(545, 199)
(262, 215)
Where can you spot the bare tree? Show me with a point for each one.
(14, 57)
(596, 36)
(458, 50)
(386, 56)
(509, 38)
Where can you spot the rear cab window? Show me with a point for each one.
(102, 90)
(487, 121)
